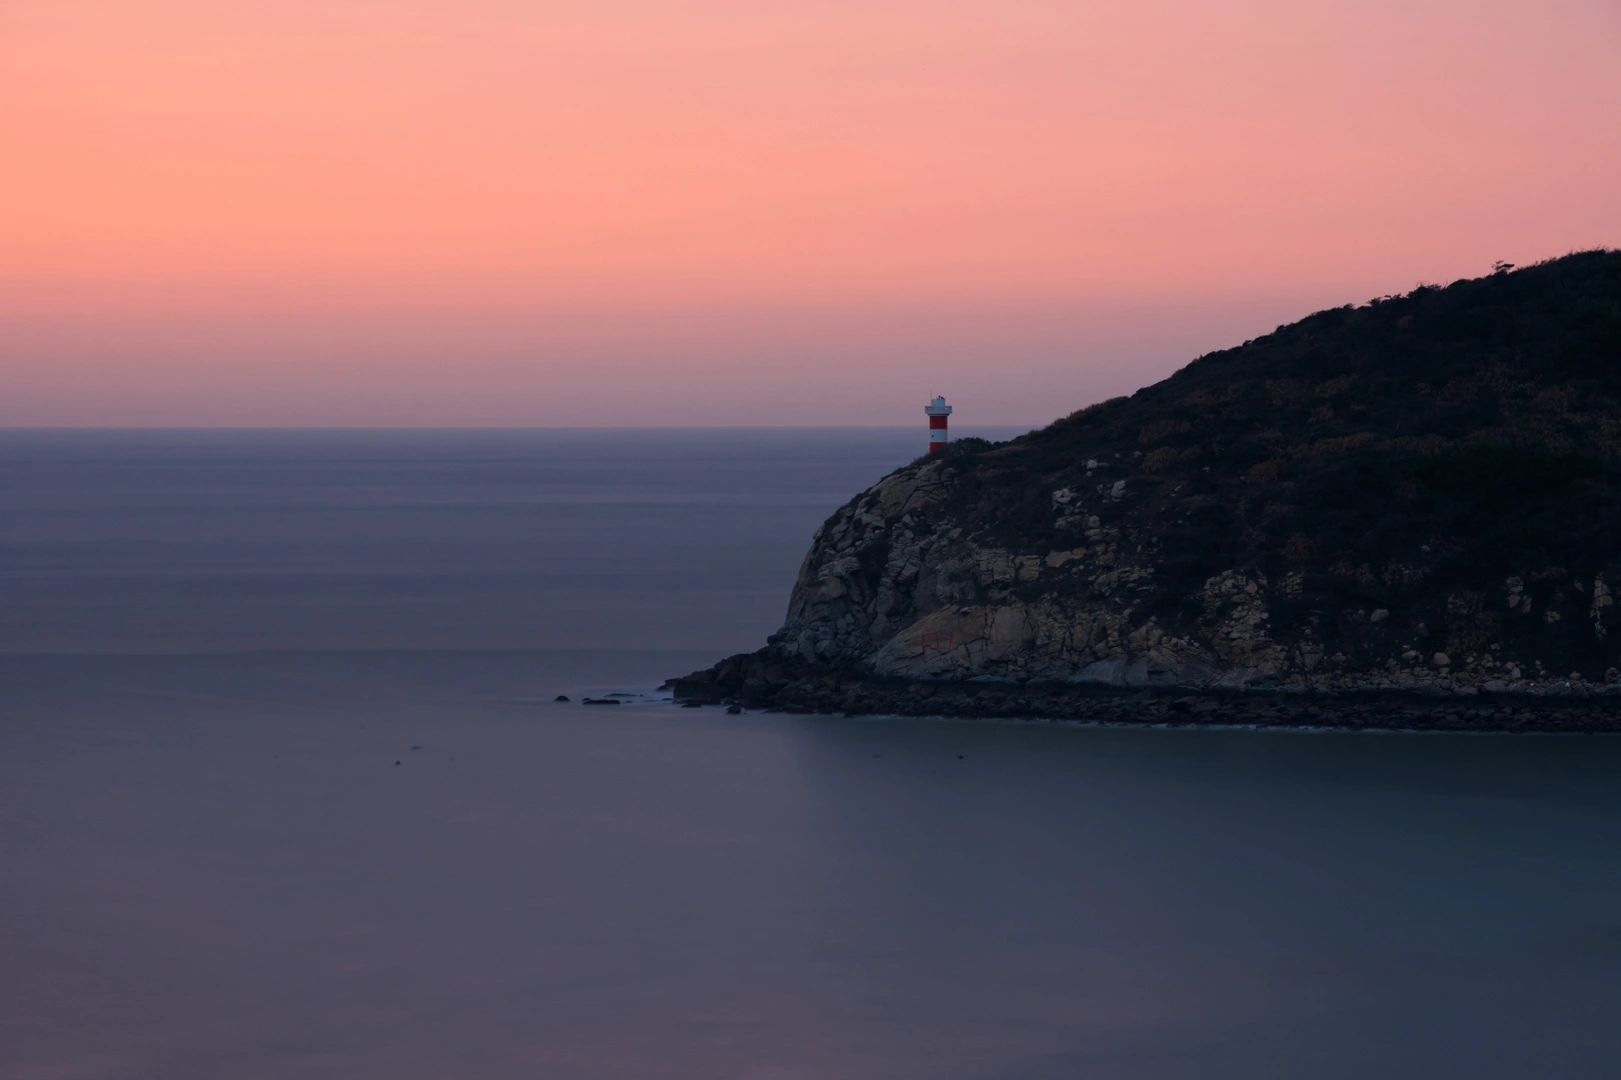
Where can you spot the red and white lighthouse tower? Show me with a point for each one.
(937, 411)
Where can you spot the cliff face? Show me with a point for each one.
(902, 583)
(1421, 492)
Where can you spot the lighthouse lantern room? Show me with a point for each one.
(937, 411)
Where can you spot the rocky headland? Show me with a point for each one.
(1400, 514)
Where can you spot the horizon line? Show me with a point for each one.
(28, 428)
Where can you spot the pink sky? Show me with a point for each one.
(746, 211)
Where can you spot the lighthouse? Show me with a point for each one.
(937, 411)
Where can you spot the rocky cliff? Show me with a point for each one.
(1419, 493)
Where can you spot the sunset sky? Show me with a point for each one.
(290, 212)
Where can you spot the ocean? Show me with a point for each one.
(284, 792)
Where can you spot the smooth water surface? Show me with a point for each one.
(284, 793)
(181, 541)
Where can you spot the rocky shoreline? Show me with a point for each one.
(769, 682)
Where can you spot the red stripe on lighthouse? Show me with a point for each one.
(937, 411)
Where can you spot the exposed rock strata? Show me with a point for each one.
(768, 681)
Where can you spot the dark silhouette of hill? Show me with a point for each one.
(1423, 491)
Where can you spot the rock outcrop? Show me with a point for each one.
(894, 584)
(1419, 494)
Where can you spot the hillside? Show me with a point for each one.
(1420, 493)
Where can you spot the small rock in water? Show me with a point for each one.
(396, 763)
(599, 701)
(560, 697)
(733, 710)
(416, 748)
(689, 705)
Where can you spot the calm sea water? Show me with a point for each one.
(283, 793)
